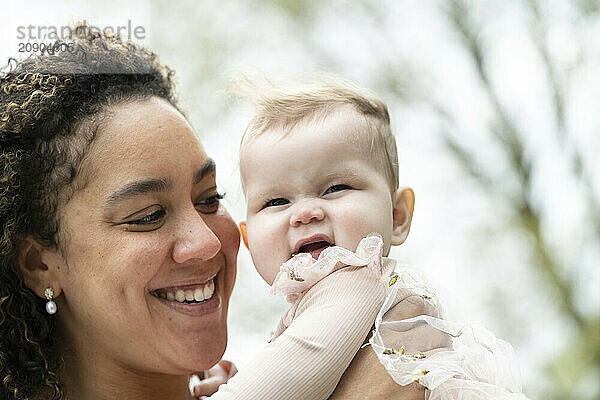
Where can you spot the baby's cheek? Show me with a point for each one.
(271, 261)
(359, 223)
(260, 246)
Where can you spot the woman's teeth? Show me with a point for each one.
(189, 294)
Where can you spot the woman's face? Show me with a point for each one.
(145, 230)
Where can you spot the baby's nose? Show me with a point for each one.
(306, 213)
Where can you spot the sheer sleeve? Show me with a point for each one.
(473, 365)
(330, 323)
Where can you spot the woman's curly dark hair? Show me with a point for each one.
(50, 105)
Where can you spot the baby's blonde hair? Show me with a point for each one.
(287, 101)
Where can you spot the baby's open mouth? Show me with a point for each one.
(314, 248)
(307, 248)
(190, 294)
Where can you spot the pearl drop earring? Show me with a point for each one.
(50, 305)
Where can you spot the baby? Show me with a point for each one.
(319, 170)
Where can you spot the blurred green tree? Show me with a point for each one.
(576, 366)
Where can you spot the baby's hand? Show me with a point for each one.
(213, 378)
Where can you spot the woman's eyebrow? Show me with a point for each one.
(208, 168)
(145, 186)
(138, 188)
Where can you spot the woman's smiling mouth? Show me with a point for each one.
(188, 294)
(199, 299)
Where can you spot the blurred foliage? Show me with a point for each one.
(587, 7)
(298, 9)
(579, 361)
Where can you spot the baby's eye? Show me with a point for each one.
(337, 188)
(276, 202)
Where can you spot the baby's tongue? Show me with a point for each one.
(314, 249)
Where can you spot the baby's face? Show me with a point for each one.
(314, 188)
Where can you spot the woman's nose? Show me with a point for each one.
(195, 240)
(305, 213)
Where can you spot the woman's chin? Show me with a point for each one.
(202, 353)
(204, 363)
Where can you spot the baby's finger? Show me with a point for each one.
(193, 382)
(230, 367)
(224, 369)
(205, 387)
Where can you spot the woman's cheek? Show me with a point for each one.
(149, 256)
(228, 233)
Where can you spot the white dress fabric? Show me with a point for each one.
(336, 301)
(475, 365)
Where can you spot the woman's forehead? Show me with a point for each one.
(136, 122)
(143, 139)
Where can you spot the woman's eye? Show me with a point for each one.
(148, 219)
(210, 204)
(276, 202)
(337, 188)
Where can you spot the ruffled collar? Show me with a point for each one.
(302, 271)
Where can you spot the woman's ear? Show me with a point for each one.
(39, 267)
(244, 234)
(403, 203)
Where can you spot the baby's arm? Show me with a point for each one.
(308, 359)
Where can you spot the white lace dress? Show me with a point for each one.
(473, 364)
(336, 301)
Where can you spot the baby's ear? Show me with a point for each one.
(403, 203)
(244, 234)
(39, 267)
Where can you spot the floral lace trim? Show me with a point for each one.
(302, 271)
